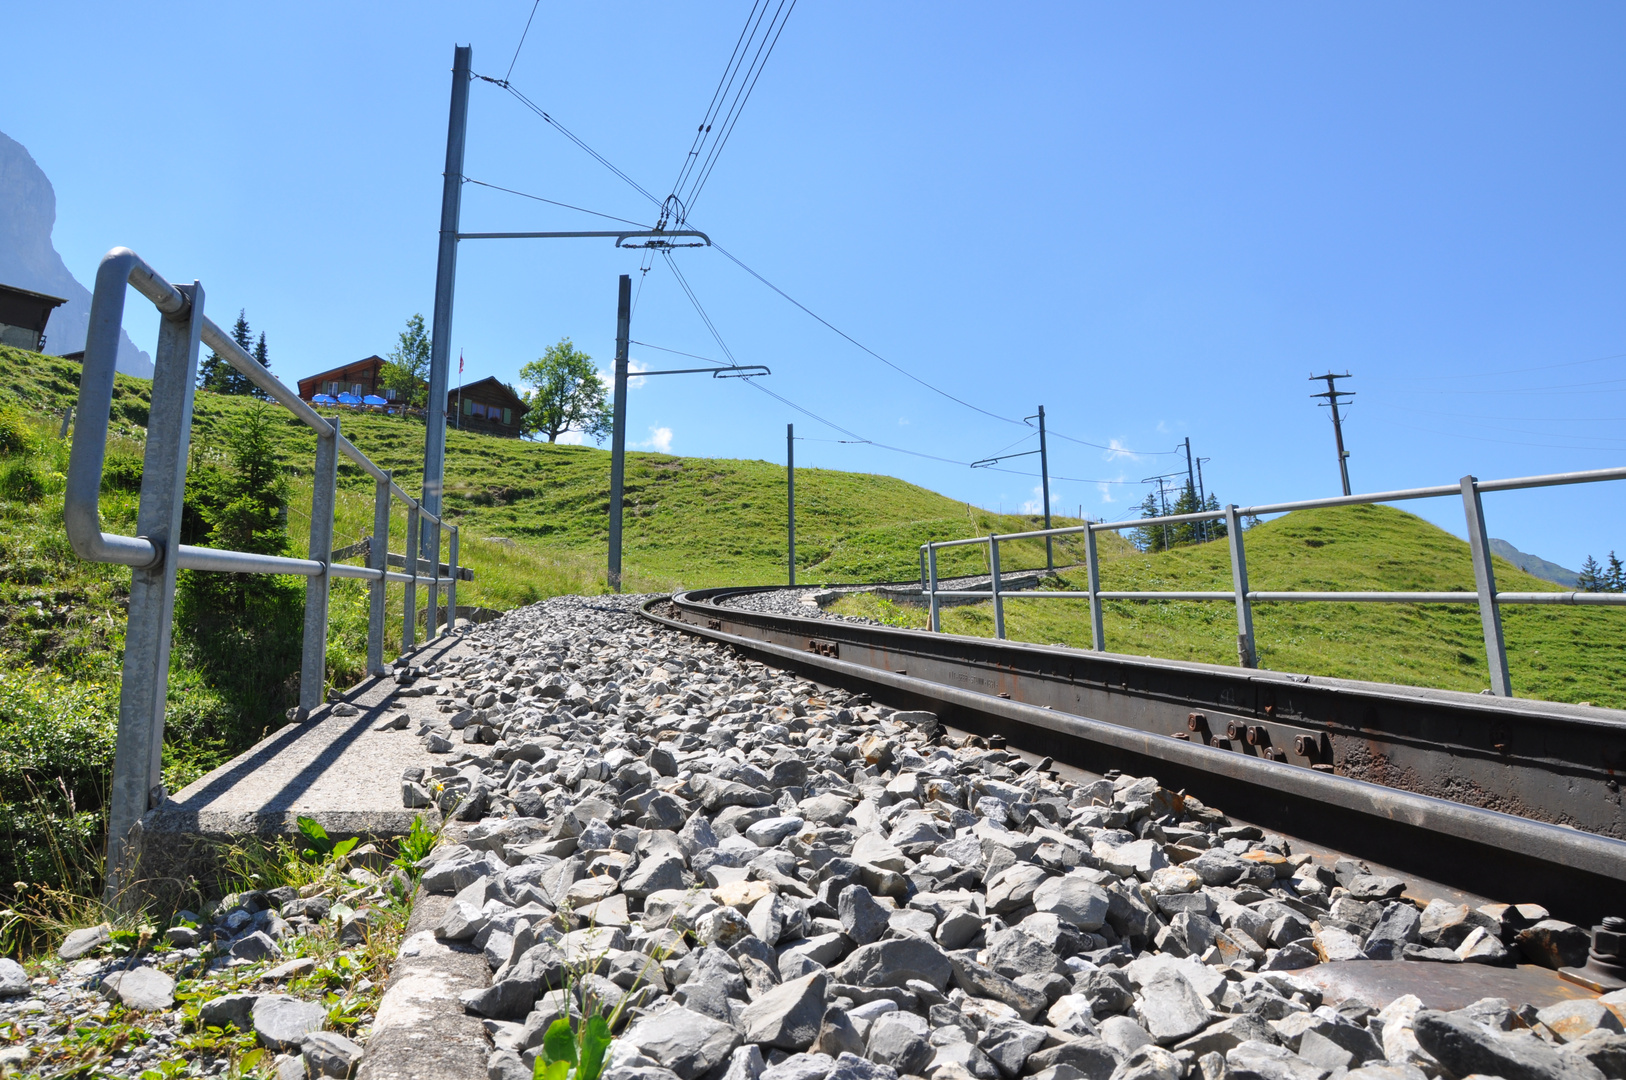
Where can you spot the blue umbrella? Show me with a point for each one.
(323, 399)
(374, 399)
(349, 399)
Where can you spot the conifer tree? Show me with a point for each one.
(1615, 580)
(1591, 578)
(263, 358)
(219, 376)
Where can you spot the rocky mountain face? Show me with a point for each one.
(28, 259)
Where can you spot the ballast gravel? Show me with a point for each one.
(777, 880)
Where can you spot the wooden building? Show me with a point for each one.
(23, 315)
(360, 378)
(487, 406)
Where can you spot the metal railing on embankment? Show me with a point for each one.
(155, 553)
(1485, 596)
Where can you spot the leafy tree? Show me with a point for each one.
(216, 374)
(407, 372)
(566, 394)
(1615, 579)
(1592, 576)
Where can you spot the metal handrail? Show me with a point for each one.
(1486, 597)
(155, 553)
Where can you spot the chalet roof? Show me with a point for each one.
(342, 368)
(491, 384)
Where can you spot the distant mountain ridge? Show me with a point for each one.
(29, 260)
(1535, 565)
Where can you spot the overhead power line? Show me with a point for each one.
(535, 4)
(640, 189)
(554, 202)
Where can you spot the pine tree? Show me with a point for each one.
(1216, 526)
(1616, 578)
(219, 376)
(263, 358)
(1591, 578)
(1153, 537)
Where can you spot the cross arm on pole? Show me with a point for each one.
(656, 238)
(985, 462)
(733, 371)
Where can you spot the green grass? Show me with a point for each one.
(1555, 653)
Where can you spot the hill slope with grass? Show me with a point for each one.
(1555, 653)
(533, 525)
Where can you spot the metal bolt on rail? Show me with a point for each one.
(155, 553)
(1486, 597)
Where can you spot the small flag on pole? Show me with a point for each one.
(460, 361)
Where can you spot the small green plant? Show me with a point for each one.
(575, 1054)
(319, 847)
(415, 847)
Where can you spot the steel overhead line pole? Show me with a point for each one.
(1044, 483)
(1332, 395)
(1191, 480)
(618, 434)
(440, 342)
(790, 499)
(618, 438)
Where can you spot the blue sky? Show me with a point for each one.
(1157, 221)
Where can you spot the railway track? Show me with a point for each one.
(1469, 791)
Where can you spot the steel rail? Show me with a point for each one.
(1103, 710)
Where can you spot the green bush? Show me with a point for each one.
(20, 479)
(15, 432)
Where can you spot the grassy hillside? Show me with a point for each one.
(687, 521)
(1555, 653)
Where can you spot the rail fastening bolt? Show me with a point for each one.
(1301, 745)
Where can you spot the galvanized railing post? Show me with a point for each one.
(1490, 615)
(999, 598)
(1092, 569)
(451, 581)
(1247, 655)
(431, 625)
(931, 600)
(139, 746)
(409, 627)
(313, 657)
(378, 559)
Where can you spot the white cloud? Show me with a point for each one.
(660, 440)
(1162, 427)
(569, 438)
(634, 380)
(1119, 451)
(903, 421)
(1035, 505)
(1106, 489)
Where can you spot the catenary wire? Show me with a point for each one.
(522, 36)
(601, 159)
(723, 81)
(554, 202)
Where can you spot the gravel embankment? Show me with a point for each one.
(796, 884)
(789, 601)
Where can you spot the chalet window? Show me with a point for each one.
(388, 393)
(508, 416)
(357, 389)
(468, 407)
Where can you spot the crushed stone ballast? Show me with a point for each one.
(799, 883)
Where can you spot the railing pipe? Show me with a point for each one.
(451, 580)
(324, 492)
(378, 560)
(1490, 616)
(999, 600)
(144, 685)
(1247, 654)
(931, 573)
(409, 628)
(1092, 570)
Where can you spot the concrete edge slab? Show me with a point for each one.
(421, 1031)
